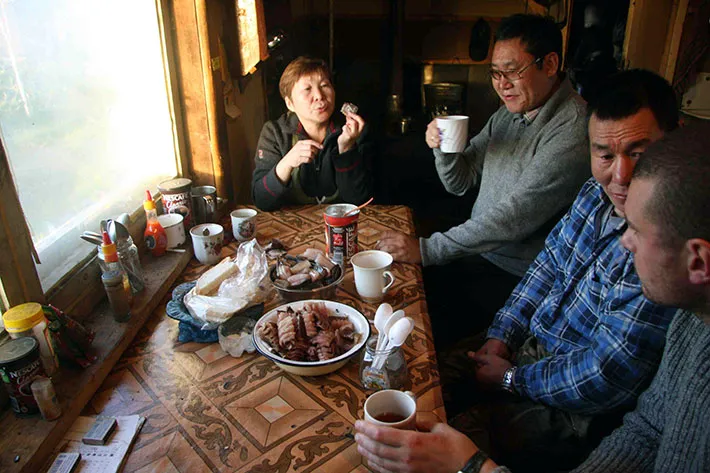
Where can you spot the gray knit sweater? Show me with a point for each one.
(670, 429)
(528, 173)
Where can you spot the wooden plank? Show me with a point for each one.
(186, 35)
(675, 32)
(646, 30)
(33, 439)
(17, 269)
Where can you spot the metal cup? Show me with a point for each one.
(204, 204)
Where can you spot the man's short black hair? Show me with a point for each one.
(539, 34)
(624, 93)
(679, 166)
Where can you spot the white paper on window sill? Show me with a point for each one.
(107, 458)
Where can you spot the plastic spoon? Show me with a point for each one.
(396, 337)
(398, 314)
(359, 207)
(383, 313)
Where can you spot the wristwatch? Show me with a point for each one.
(508, 378)
(475, 463)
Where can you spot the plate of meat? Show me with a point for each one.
(311, 337)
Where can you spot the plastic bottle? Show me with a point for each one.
(155, 238)
(112, 264)
(27, 320)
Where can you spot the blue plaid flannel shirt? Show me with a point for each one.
(582, 301)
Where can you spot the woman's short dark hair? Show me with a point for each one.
(540, 35)
(299, 67)
(679, 166)
(624, 93)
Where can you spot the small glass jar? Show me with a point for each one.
(383, 369)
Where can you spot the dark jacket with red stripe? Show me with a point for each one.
(331, 177)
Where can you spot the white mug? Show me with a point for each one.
(243, 224)
(454, 131)
(207, 240)
(392, 408)
(371, 270)
(174, 229)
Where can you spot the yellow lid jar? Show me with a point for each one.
(27, 320)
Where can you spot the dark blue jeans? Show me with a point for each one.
(515, 431)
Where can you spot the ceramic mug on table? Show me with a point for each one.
(392, 408)
(207, 240)
(174, 229)
(243, 224)
(204, 204)
(372, 276)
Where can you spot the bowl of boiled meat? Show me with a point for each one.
(311, 337)
(310, 275)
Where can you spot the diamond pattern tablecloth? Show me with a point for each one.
(207, 411)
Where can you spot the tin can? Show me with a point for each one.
(19, 366)
(177, 199)
(341, 232)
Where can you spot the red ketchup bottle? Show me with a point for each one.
(155, 238)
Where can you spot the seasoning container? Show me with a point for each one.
(131, 263)
(20, 365)
(112, 263)
(341, 232)
(118, 298)
(27, 320)
(392, 375)
(155, 237)
(43, 392)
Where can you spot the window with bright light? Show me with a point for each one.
(85, 116)
(252, 39)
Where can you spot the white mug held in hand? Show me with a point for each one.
(372, 276)
(392, 408)
(454, 131)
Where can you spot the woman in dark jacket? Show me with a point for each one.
(304, 157)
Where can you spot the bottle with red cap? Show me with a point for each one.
(155, 238)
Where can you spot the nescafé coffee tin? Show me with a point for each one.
(341, 232)
(177, 199)
(19, 366)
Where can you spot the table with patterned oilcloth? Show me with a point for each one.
(207, 411)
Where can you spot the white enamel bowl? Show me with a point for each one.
(315, 368)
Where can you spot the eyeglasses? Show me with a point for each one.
(511, 76)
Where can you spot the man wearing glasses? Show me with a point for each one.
(528, 163)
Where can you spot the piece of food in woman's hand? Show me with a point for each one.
(348, 107)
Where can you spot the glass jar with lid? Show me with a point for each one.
(382, 369)
(27, 320)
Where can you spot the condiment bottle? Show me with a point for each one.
(112, 264)
(155, 238)
(118, 298)
(27, 320)
(43, 392)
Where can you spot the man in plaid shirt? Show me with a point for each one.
(577, 342)
(577, 339)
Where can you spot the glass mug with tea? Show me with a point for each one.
(392, 408)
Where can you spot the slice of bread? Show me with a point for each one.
(209, 281)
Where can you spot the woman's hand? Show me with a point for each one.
(432, 135)
(351, 132)
(303, 152)
(436, 448)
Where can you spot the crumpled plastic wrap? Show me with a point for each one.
(249, 286)
(235, 335)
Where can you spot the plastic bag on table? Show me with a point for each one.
(249, 286)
